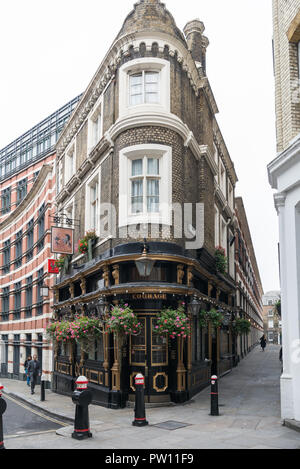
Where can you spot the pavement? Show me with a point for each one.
(249, 403)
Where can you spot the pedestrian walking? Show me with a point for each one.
(34, 372)
(29, 358)
(263, 343)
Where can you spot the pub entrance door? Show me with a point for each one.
(148, 354)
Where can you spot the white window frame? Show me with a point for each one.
(95, 134)
(127, 155)
(217, 227)
(270, 324)
(223, 234)
(231, 257)
(222, 178)
(95, 179)
(230, 195)
(70, 162)
(143, 65)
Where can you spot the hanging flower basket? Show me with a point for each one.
(215, 318)
(62, 263)
(221, 260)
(59, 331)
(242, 326)
(86, 243)
(84, 330)
(173, 323)
(123, 321)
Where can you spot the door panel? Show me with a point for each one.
(149, 356)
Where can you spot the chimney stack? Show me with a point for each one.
(197, 43)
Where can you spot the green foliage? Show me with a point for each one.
(221, 260)
(173, 323)
(82, 328)
(123, 320)
(83, 244)
(242, 326)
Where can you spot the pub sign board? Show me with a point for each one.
(52, 268)
(62, 240)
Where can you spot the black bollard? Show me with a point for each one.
(139, 410)
(214, 396)
(3, 406)
(43, 379)
(82, 397)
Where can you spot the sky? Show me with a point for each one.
(50, 51)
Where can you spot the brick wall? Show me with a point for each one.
(286, 73)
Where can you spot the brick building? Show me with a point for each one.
(272, 320)
(284, 173)
(142, 163)
(27, 191)
(249, 289)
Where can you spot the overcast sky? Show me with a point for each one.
(50, 50)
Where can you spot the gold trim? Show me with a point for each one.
(166, 382)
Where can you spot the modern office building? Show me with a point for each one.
(27, 191)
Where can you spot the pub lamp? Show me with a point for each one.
(194, 306)
(227, 319)
(44, 290)
(101, 307)
(144, 264)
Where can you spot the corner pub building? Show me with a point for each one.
(142, 162)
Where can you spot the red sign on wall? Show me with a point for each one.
(52, 268)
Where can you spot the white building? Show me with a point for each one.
(284, 176)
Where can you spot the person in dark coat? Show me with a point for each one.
(263, 343)
(34, 372)
(29, 358)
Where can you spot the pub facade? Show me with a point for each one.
(146, 183)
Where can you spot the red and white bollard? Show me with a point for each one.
(82, 397)
(214, 396)
(3, 406)
(139, 411)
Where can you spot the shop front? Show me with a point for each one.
(175, 367)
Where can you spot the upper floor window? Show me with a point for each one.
(69, 163)
(145, 83)
(6, 201)
(18, 247)
(145, 184)
(21, 190)
(144, 88)
(6, 257)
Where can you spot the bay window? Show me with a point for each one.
(145, 184)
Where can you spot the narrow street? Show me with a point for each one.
(21, 420)
(249, 417)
